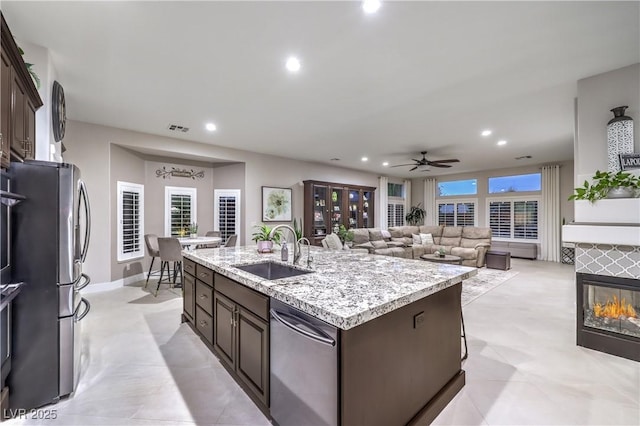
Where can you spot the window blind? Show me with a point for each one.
(465, 214)
(130, 222)
(525, 220)
(227, 216)
(446, 214)
(500, 218)
(395, 214)
(180, 214)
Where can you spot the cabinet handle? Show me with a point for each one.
(204, 296)
(203, 274)
(203, 323)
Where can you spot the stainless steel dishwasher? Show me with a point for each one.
(304, 368)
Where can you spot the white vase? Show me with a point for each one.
(194, 235)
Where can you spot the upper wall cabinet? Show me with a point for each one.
(19, 101)
(329, 205)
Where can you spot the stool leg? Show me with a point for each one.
(464, 336)
(149, 274)
(162, 265)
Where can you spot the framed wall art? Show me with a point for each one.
(276, 204)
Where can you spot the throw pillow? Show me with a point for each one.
(386, 234)
(416, 239)
(426, 239)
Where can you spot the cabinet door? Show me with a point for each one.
(336, 209)
(355, 213)
(18, 97)
(5, 107)
(367, 209)
(321, 224)
(252, 363)
(188, 293)
(29, 129)
(224, 329)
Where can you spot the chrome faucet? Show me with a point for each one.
(296, 244)
(309, 258)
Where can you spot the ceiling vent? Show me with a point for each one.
(176, 128)
(523, 157)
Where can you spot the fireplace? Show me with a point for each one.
(608, 314)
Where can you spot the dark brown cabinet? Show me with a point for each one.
(241, 335)
(188, 295)
(19, 101)
(328, 205)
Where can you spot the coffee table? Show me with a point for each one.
(448, 258)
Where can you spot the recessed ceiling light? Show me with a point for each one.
(386, 163)
(371, 6)
(210, 127)
(293, 64)
(365, 159)
(502, 142)
(486, 132)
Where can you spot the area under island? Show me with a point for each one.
(353, 339)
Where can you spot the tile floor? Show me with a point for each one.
(145, 368)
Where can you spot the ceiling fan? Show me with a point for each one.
(424, 162)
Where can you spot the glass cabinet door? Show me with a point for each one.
(320, 220)
(354, 208)
(336, 209)
(367, 200)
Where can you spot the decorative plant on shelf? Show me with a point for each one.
(193, 229)
(33, 74)
(608, 185)
(345, 235)
(264, 238)
(416, 215)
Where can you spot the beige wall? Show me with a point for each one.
(596, 96)
(89, 147)
(125, 166)
(566, 188)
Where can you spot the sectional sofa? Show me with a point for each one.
(470, 243)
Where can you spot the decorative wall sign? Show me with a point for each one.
(629, 161)
(167, 174)
(276, 204)
(619, 137)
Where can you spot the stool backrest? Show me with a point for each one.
(151, 240)
(231, 241)
(170, 249)
(212, 234)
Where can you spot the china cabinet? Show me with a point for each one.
(328, 205)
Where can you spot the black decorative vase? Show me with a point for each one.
(619, 137)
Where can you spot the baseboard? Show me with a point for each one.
(112, 285)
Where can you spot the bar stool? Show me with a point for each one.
(170, 251)
(211, 245)
(231, 241)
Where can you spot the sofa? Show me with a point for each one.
(470, 243)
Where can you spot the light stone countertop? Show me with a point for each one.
(346, 289)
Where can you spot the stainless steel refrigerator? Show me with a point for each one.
(50, 236)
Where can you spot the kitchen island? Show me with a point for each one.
(397, 320)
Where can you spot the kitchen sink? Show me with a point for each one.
(272, 270)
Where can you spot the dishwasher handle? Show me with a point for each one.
(317, 334)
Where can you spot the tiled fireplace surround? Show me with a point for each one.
(607, 253)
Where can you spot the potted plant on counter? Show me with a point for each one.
(193, 230)
(263, 238)
(345, 235)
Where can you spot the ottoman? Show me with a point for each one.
(498, 260)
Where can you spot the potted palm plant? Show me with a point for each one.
(416, 215)
(264, 239)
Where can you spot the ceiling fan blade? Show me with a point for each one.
(418, 161)
(400, 165)
(438, 165)
(413, 168)
(452, 160)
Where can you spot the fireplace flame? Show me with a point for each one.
(615, 309)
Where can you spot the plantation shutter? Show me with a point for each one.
(500, 218)
(465, 214)
(395, 214)
(180, 214)
(446, 214)
(227, 212)
(130, 221)
(525, 220)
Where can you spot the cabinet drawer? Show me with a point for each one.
(204, 297)
(244, 296)
(189, 266)
(204, 274)
(204, 324)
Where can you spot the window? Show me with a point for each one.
(514, 219)
(130, 221)
(226, 212)
(458, 187)
(515, 183)
(457, 213)
(395, 190)
(395, 213)
(180, 210)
